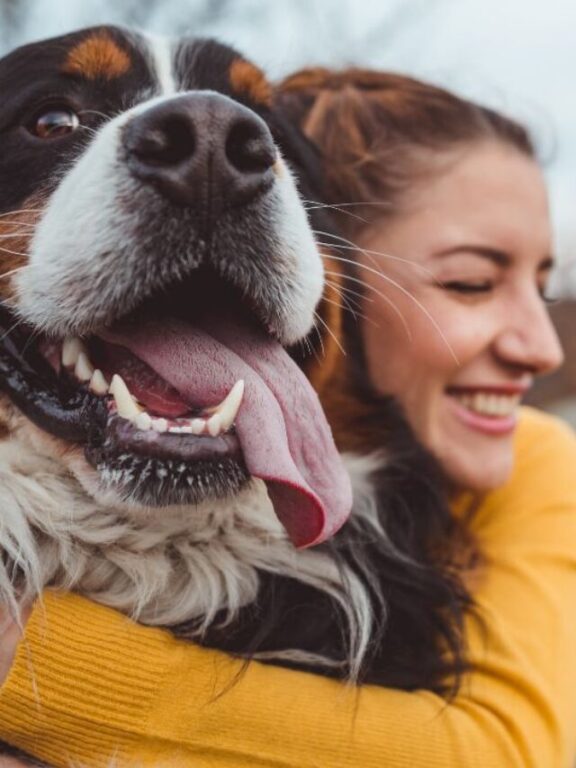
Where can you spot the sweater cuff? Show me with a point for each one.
(83, 681)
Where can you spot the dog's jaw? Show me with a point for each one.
(161, 566)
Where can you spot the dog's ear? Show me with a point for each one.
(303, 156)
(321, 355)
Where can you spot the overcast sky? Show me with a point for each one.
(518, 55)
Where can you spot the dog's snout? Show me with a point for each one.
(202, 149)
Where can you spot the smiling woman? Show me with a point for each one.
(476, 241)
(446, 207)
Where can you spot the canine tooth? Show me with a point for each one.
(229, 407)
(197, 426)
(143, 421)
(83, 369)
(98, 383)
(214, 425)
(125, 404)
(159, 425)
(71, 349)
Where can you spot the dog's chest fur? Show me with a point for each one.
(162, 566)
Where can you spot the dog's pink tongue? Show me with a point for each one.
(283, 433)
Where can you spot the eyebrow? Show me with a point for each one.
(496, 256)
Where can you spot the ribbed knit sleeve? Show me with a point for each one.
(88, 685)
(80, 666)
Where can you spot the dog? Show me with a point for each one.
(165, 325)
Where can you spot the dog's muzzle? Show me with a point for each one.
(171, 267)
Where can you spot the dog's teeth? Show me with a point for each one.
(184, 429)
(197, 426)
(83, 369)
(98, 383)
(143, 421)
(159, 425)
(127, 408)
(71, 349)
(214, 425)
(229, 407)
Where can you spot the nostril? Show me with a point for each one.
(248, 148)
(168, 143)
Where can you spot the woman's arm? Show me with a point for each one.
(88, 684)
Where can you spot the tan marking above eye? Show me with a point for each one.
(247, 78)
(97, 57)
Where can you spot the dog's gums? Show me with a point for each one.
(160, 409)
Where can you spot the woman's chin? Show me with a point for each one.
(475, 450)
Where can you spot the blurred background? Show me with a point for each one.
(518, 56)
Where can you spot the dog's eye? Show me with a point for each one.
(54, 123)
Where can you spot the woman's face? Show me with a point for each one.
(460, 337)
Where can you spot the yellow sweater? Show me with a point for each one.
(88, 684)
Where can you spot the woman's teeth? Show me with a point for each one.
(489, 404)
(215, 421)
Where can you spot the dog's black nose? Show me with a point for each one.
(201, 149)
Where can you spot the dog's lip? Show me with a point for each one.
(124, 437)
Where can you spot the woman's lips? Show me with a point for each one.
(492, 411)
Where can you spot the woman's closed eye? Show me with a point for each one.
(468, 287)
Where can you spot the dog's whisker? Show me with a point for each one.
(381, 203)
(36, 333)
(320, 339)
(311, 348)
(350, 302)
(13, 327)
(386, 278)
(93, 112)
(382, 295)
(22, 210)
(314, 206)
(330, 331)
(350, 291)
(14, 253)
(343, 293)
(90, 130)
(11, 272)
(346, 306)
(350, 246)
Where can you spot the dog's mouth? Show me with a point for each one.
(182, 401)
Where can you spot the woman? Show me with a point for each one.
(456, 329)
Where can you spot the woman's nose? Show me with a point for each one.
(529, 339)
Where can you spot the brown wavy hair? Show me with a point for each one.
(381, 132)
(378, 135)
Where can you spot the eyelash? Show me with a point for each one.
(468, 288)
(472, 289)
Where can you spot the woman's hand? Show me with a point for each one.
(10, 635)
